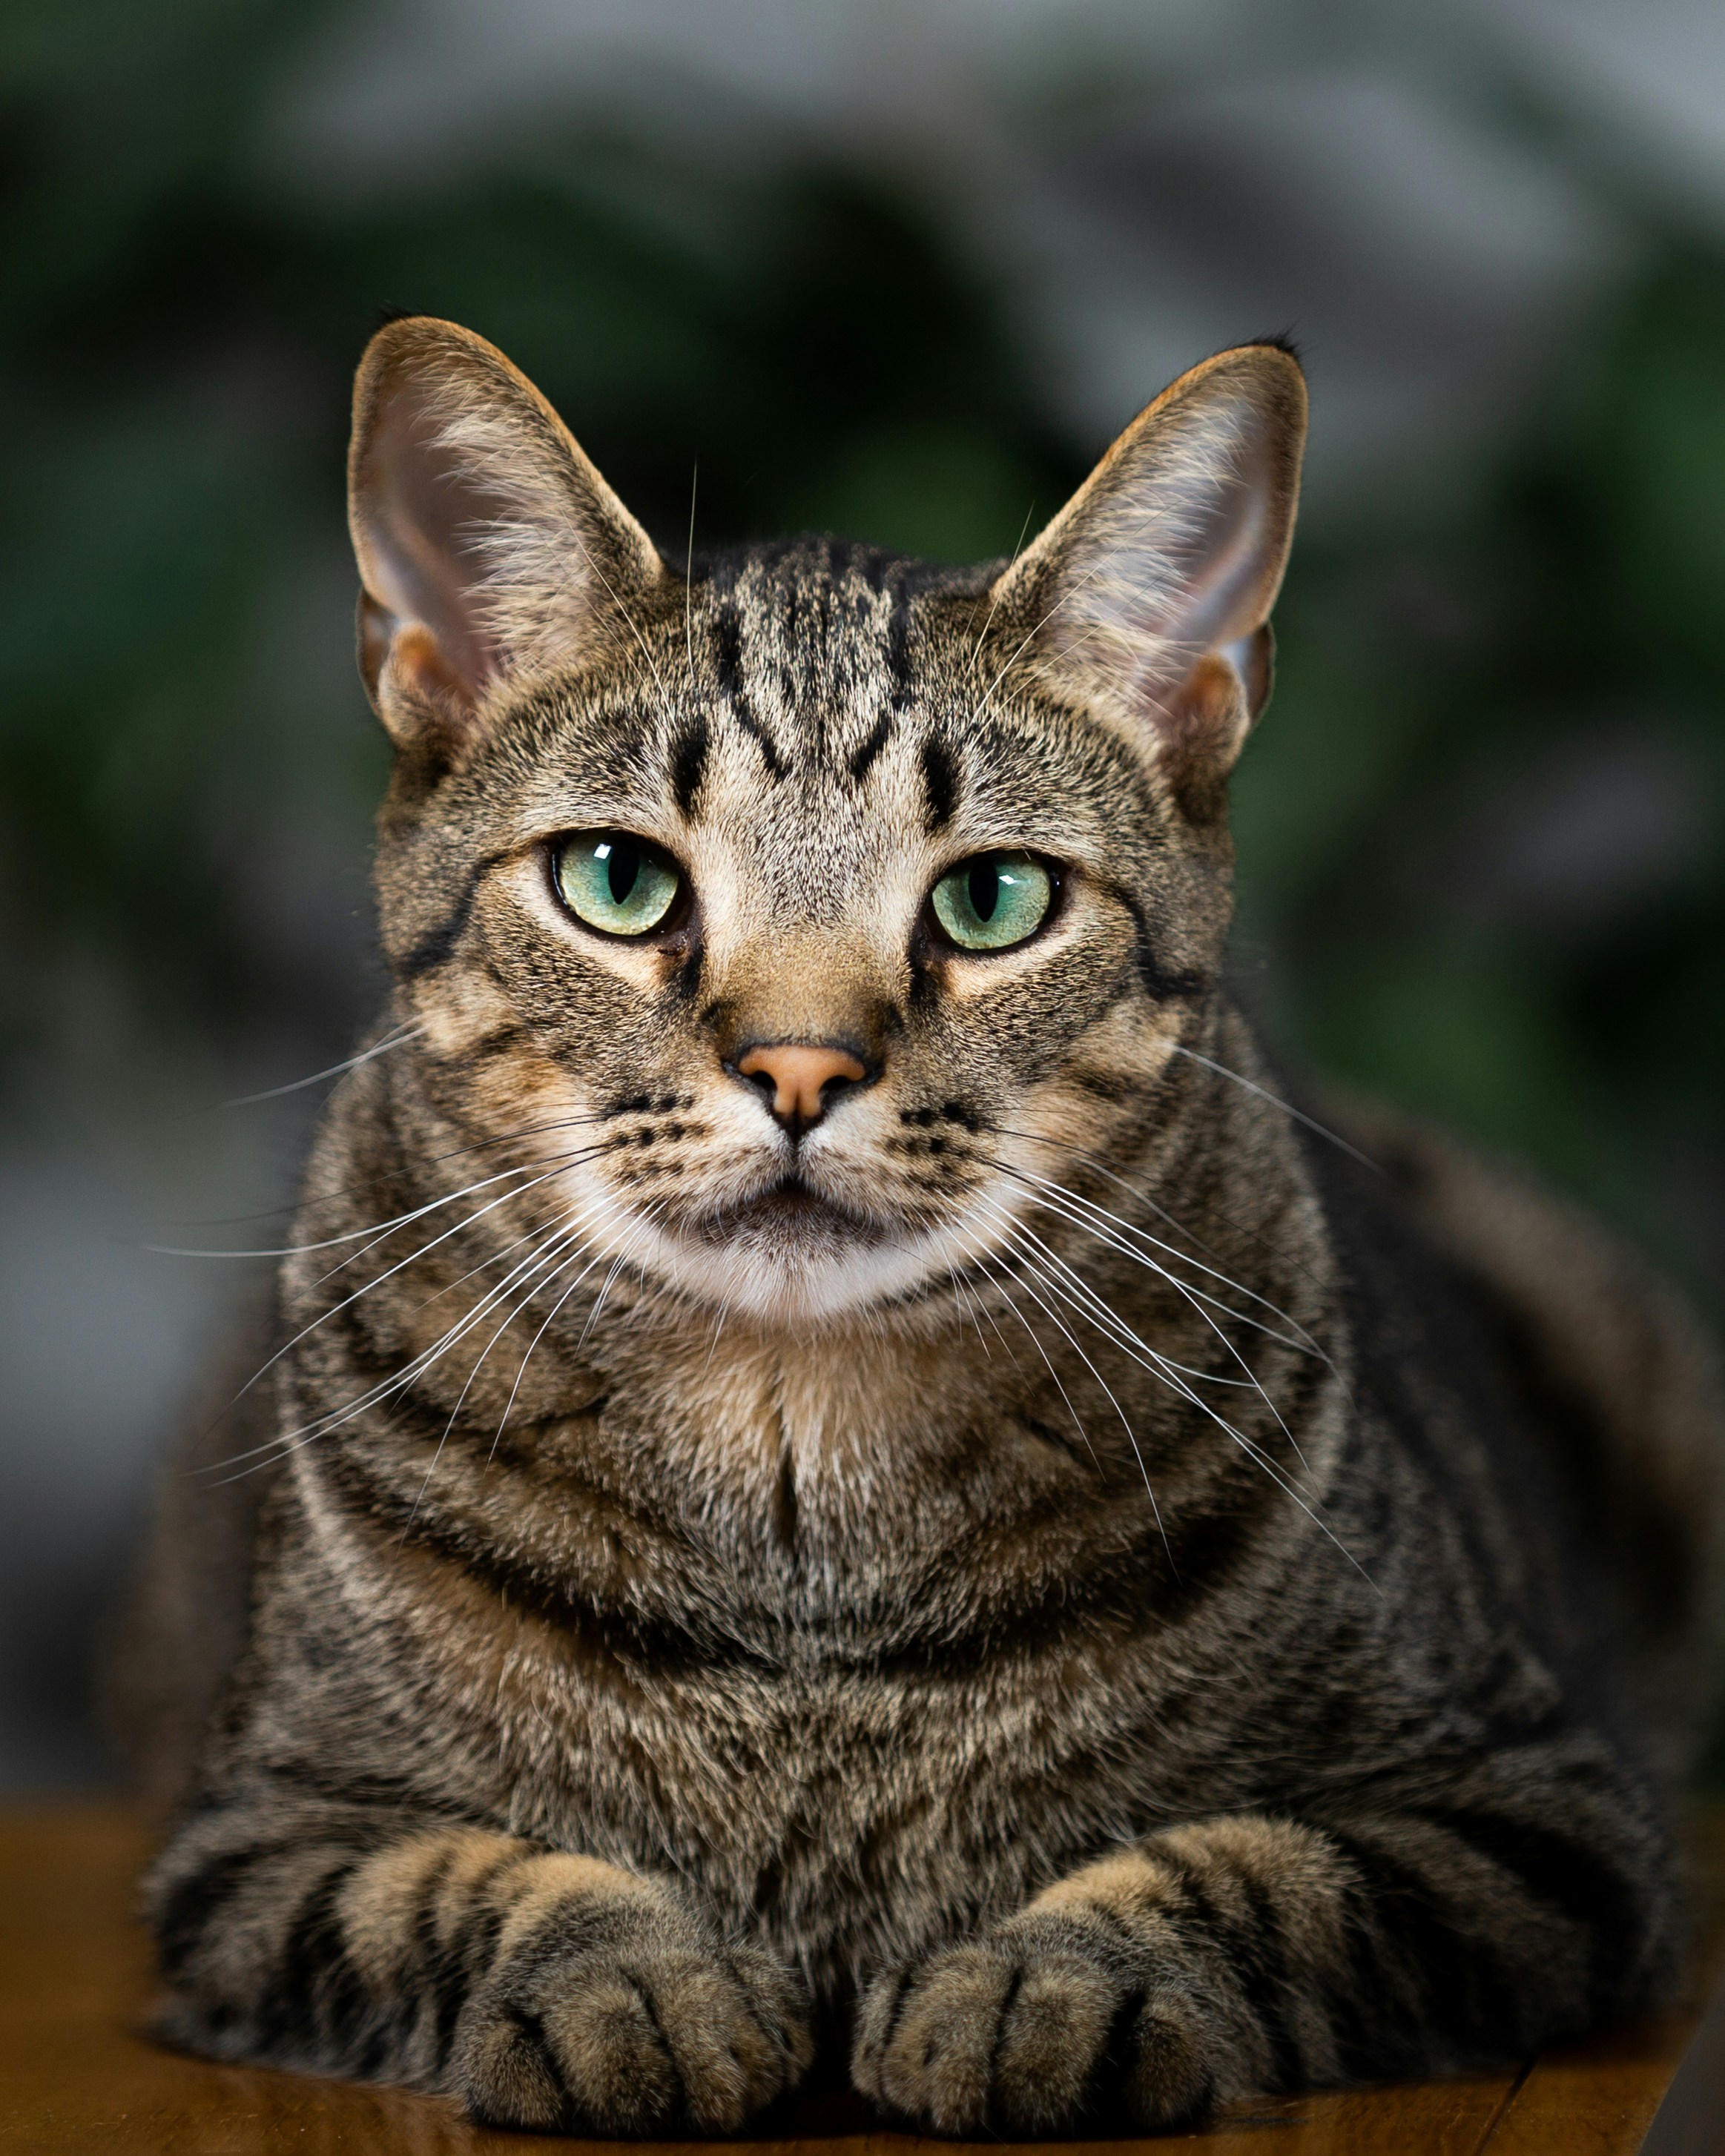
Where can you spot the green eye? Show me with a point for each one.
(620, 885)
(993, 901)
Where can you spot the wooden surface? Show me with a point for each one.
(75, 2075)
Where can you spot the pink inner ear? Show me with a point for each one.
(420, 665)
(422, 519)
(1224, 564)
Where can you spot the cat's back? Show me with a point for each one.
(1545, 1358)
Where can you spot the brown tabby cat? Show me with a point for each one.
(841, 1474)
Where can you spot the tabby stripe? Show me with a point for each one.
(1466, 1991)
(1119, 2048)
(439, 1963)
(1580, 1883)
(941, 781)
(318, 1992)
(688, 764)
(503, 1042)
(1163, 984)
(186, 1913)
(898, 646)
(439, 946)
(1015, 1985)
(344, 1474)
(728, 657)
(1252, 1953)
(864, 755)
(901, 1992)
(651, 2013)
(533, 2030)
(1266, 1950)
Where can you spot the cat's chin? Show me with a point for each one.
(791, 1254)
(790, 1224)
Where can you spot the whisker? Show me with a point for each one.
(397, 1039)
(717, 1328)
(509, 1404)
(651, 1215)
(321, 1426)
(1068, 1205)
(305, 1199)
(1108, 1391)
(1074, 1290)
(1103, 1167)
(549, 1255)
(571, 1158)
(334, 1309)
(1256, 1454)
(376, 1229)
(962, 1295)
(473, 1272)
(1018, 548)
(1196, 1300)
(1263, 1093)
(982, 1264)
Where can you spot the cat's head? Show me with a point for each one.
(791, 914)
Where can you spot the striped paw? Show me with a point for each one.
(1045, 2024)
(629, 2018)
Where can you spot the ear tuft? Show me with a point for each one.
(1148, 598)
(488, 544)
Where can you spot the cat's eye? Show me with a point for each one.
(993, 901)
(616, 883)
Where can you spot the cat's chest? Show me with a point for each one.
(853, 1807)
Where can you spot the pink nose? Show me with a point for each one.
(801, 1074)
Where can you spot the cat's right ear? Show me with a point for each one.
(1147, 599)
(489, 547)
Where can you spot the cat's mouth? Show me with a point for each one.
(789, 1216)
(789, 1251)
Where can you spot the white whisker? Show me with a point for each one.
(1263, 1093)
(1196, 1301)
(1170, 1376)
(1126, 1424)
(397, 1039)
(334, 1419)
(335, 1309)
(1088, 1213)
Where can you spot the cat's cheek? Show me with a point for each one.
(460, 1010)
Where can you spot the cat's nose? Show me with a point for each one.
(800, 1076)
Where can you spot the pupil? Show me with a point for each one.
(622, 869)
(984, 890)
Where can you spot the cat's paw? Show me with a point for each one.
(627, 2018)
(1046, 2023)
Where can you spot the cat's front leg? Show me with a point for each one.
(1254, 1953)
(545, 1989)
(1103, 2001)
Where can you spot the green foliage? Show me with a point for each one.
(1483, 829)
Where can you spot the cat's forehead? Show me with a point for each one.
(816, 708)
(815, 648)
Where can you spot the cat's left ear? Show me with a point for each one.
(488, 544)
(1148, 599)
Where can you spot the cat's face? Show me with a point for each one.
(794, 919)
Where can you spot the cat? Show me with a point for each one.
(842, 1486)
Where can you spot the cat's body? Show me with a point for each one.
(890, 1465)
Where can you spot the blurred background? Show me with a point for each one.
(899, 269)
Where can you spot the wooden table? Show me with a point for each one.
(76, 2076)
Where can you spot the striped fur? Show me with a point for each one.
(1081, 1620)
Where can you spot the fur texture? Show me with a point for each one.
(1044, 1582)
